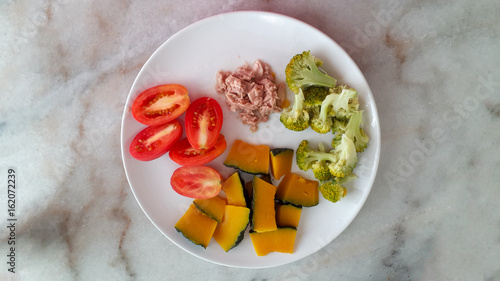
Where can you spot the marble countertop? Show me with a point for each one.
(66, 68)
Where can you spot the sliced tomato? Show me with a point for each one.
(160, 104)
(154, 141)
(203, 122)
(200, 182)
(184, 154)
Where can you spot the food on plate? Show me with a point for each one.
(296, 117)
(288, 215)
(326, 107)
(160, 104)
(281, 161)
(339, 105)
(353, 130)
(154, 141)
(196, 226)
(304, 71)
(234, 190)
(297, 190)
(338, 162)
(273, 212)
(314, 96)
(230, 232)
(263, 211)
(248, 158)
(251, 91)
(333, 190)
(199, 182)
(183, 154)
(213, 207)
(249, 187)
(203, 122)
(281, 240)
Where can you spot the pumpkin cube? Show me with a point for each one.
(248, 158)
(263, 212)
(213, 207)
(297, 190)
(234, 190)
(196, 226)
(288, 215)
(281, 161)
(280, 240)
(229, 233)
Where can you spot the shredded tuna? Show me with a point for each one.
(250, 91)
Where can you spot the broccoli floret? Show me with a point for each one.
(296, 118)
(306, 157)
(347, 158)
(353, 130)
(318, 124)
(340, 161)
(320, 170)
(338, 104)
(334, 190)
(341, 103)
(338, 129)
(303, 71)
(314, 96)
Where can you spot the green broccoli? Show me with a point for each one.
(314, 96)
(341, 103)
(352, 129)
(347, 158)
(338, 129)
(340, 161)
(303, 71)
(320, 123)
(306, 157)
(296, 118)
(334, 190)
(320, 170)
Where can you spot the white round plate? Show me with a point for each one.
(224, 42)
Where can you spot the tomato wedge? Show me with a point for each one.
(203, 122)
(184, 154)
(154, 141)
(160, 104)
(199, 182)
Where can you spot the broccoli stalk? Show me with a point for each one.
(296, 118)
(320, 168)
(303, 71)
(306, 157)
(325, 165)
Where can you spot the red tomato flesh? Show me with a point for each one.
(203, 123)
(154, 141)
(160, 104)
(184, 154)
(199, 182)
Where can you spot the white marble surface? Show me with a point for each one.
(66, 68)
